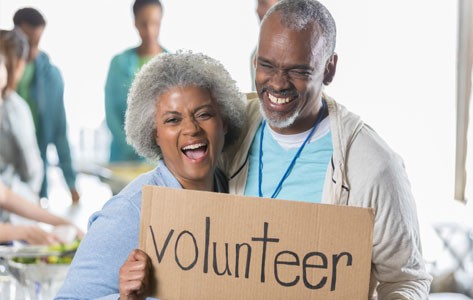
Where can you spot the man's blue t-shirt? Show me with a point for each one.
(306, 180)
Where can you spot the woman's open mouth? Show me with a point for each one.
(195, 151)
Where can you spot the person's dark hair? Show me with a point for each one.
(139, 4)
(29, 16)
(298, 14)
(14, 46)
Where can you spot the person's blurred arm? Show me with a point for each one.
(29, 233)
(60, 138)
(16, 204)
(116, 89)
(113, 108)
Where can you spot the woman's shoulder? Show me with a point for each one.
(125, 56)
(15, 104)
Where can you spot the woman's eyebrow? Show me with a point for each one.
(170, 112)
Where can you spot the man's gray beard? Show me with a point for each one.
(277, 123)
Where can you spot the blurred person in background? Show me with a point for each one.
(262, 7)
(42, 87)
(21, 167)
(122, 70)
(19, 153)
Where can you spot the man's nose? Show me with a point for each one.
(279, 80)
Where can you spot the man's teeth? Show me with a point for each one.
(192, 147)
(277, 100)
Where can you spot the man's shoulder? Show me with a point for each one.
(46, 68)
(253, 106)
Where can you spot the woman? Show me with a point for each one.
(148, 15)
(10, 201)
(21, 167)
(183, 109)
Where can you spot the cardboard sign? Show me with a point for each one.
(218, 246)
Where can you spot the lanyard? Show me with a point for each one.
(320, 117)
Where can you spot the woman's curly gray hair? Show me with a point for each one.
(169, 70)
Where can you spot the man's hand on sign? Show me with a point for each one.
(135, 276)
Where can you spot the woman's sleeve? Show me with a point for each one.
(113, 233)
(29, 164)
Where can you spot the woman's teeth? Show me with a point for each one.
(193, 146)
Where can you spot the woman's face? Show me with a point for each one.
(191, 133)
(148, 23)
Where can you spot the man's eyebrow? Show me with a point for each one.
(303, 67)
(291, 67)
(264, 60)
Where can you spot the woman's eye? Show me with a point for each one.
(204, 115)
(170, 120)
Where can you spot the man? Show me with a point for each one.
(43, 88)
(306, 139)
(262, 7)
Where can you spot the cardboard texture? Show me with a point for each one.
(218, 246)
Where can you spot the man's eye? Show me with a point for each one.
(265, 66)
(299, 73)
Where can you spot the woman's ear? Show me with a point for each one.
(330, 69)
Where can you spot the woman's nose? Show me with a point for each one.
(191, 126)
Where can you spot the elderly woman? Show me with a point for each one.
(183, 109)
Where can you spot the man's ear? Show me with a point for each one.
(225, 127)
(330, 69)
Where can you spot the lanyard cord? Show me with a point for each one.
(293, 162)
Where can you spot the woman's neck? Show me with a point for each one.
(200, 185)
(149, 50)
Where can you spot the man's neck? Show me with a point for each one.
(300, 125)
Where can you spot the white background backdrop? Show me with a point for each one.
(396, 69)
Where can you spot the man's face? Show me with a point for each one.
(34, 36)
(289, 75)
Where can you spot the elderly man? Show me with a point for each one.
(306, 139)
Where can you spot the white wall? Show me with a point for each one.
(396, 66)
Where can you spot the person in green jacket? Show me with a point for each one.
(148, 15)
(42, 87)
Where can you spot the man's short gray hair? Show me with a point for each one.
(181, 69)
(298, 14)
